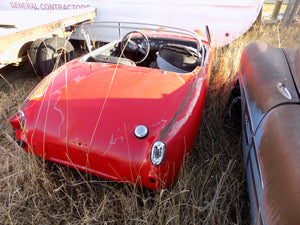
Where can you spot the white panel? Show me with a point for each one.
(227, 19)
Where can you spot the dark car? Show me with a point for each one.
(269, 80)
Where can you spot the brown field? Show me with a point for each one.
(211, 189)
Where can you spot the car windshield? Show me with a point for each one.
(147, 45)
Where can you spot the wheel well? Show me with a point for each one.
(24, 48)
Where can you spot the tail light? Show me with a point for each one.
(158, 152)
(18, 120)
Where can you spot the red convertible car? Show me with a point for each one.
(270, 99)
(127, 111)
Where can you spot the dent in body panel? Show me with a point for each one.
(204, 85)
(165, 131)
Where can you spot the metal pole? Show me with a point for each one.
(290, 12)
(296, 10)
(276, 9)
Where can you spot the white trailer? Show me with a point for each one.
(24, 33)
(226, 19)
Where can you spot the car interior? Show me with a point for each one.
(136, 49)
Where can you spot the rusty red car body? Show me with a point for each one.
(270, 99)
(85, 114)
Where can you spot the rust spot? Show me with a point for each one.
(262, 68)
(279, 157)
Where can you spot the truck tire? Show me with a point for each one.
(55, 52)
(45, 54)
(33, 54)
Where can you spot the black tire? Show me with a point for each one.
(53, 53)
(33, 54)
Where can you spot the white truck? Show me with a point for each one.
(25, 24)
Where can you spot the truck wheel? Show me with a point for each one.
(33, 54)
(55, 52)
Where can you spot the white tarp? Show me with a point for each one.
(227, 19)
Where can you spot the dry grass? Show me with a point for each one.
(211, 188)
(268, 9)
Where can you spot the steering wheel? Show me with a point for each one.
(135, 46)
